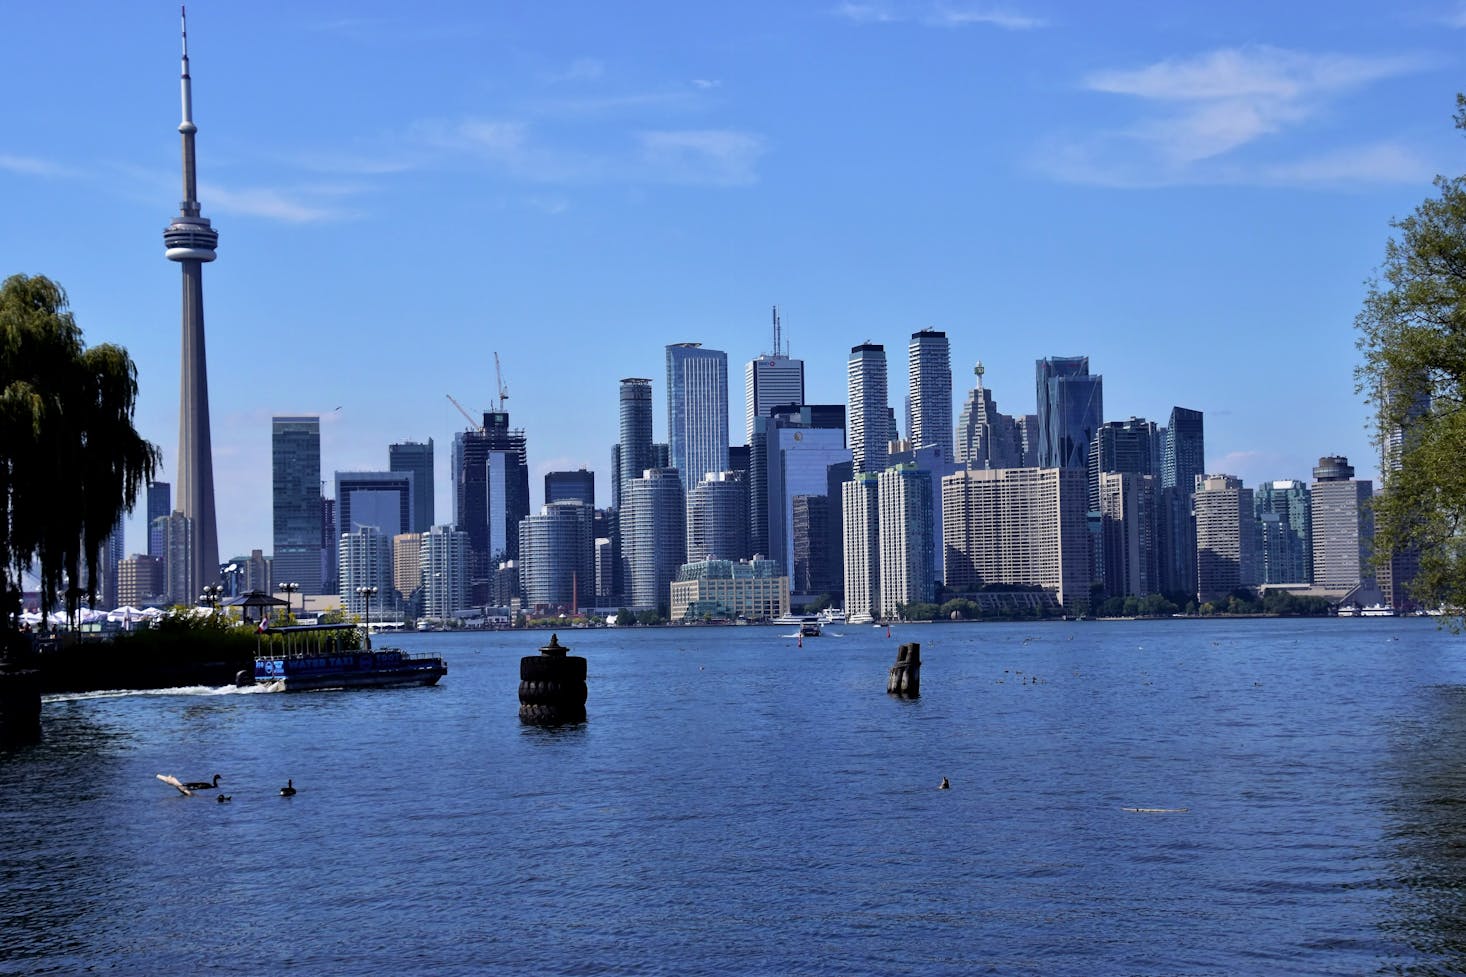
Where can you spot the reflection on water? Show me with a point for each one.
(1426, 832)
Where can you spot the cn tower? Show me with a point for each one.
(190, 241)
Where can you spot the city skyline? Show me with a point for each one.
(1192, 202)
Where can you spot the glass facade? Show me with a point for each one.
(296, 465)
(697, 411)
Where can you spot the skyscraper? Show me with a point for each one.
(717, 518)
(986, 438)
(160, 503)
(1182, 460)
(416, 457)
(296, 465)
(1285, 533)
(906, 525)
(868, 414)
(1127, 512)
(491, 494)
(1343, 531)
(382, 500)
(929, 369)
(791, 457)
(556, 558)
(1226, 537)
(576, 486)
(190, 240)
(772, 380)
(654, 535)
(366, 561)
(444, 572)
(697, 411)
(860, 506)
(634, 454)
(1070, 409)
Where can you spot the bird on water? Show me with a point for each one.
(288, 790)
(223, 797)
(204, 784)
(944, 785)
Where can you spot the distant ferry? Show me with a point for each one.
(832, 615)
(796, 619)
(309, 659)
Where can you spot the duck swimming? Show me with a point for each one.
(288, 790)
(223, 798)
(203, 784)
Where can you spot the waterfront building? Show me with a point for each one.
(929, 371)
(140, 581)
(1183, 459)
(556, 556)
(816, 571)
(366, 561)
(1023, 526)
(1226, 536)
(938, 465)
(861, 518)
(160, 503)
(295, 451)
(1070, 410)
(754, 590)
(771, 380)
(192, 241)
(1343, 530)
(633, 453)
(576, 486)
(416, 458)
(1127, 510)
(835, 478)
(384, 500)
(653, 535)
(445, 579)
(717, 518)
(407, 564)
(1285, 532)
(491, 494)
(868, 413)
(985, 437)
(605, 572)
(794, 460)
(697, 411)
(179, 584)
(905, 528)
(1135, 446)
(330, 548)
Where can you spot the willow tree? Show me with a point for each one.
(71, 462)
(1413, 337)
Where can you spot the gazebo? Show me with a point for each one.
(255, 598)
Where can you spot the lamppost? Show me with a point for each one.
(367, 593)
(290, 588)
(212, 594)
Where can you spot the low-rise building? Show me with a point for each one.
(722, 589)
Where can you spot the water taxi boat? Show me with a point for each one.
(317, 657)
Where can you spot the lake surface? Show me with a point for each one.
(739, 805)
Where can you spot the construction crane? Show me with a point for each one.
(473, 425)
(503, 390)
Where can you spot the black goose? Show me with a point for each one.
(203, 785)
(288, 790)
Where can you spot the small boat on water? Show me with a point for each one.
(810, 629)
(317, 657)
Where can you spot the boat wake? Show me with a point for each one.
(195, 690)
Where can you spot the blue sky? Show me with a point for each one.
(1191, 194)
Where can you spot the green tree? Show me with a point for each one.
(1412, 332)
(71, 462)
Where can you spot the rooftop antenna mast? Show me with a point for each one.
(778, 347)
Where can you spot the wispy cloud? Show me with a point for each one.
(34, 166)
(723, 157)
(294, 207)
(1199, 112)
(936, 14)
(579, 70)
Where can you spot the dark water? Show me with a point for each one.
(737, 805)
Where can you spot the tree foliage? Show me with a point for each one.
(71, 462)
(1412, 332)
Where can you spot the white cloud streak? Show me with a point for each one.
(937, 14)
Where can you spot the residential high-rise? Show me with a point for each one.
(772, 380)
(906, 527)
(697, 411)
(330, 548)
(1343, 530)
(1127, 511)
(868, 413)
(295, 452)
(191, 241)
(1285, 532)
(815, 568)
(860, 505)
(415, 457)
(179, 584)
(407, 564)
(1017, 526)
(366, 561)
(986, 438)
(929, 368)
(160, 503)
(140, 580)
(576, 486)
(384, 500)
(112, 554)
(444, 572)
(653, 535)
(634, 450)
(1183, 458)
(1135, 446)
(556, 556)
(717, 518)
(1226, 537)
(1070, 410)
